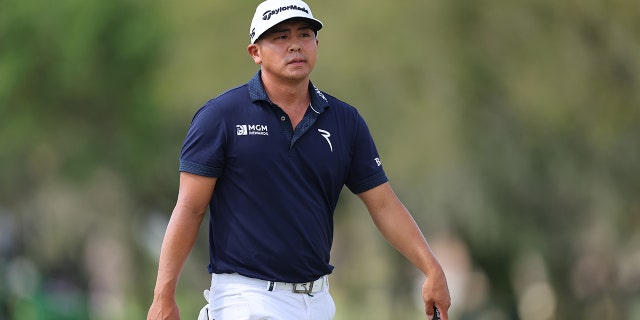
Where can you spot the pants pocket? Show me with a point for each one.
(228, 303)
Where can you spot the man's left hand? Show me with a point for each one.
(435, 293)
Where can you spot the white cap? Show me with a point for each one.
(272, 12)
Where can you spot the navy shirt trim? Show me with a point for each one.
(199, 169)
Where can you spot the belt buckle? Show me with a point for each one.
(306, 287)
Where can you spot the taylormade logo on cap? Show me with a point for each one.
(272, 12)
(267, 14)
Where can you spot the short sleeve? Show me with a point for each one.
(203, 151)
(366, 170)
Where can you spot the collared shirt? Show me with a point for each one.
(271, 214)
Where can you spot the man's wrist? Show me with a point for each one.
(164, 293)
(431, 266)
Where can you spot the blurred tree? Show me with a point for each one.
(548, 112)
(75, 98)
(76, 91)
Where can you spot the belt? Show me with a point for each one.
(304, 287)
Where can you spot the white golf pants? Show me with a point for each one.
(235, 297)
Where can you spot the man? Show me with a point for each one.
(270, 158)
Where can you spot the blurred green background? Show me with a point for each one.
(510, 129)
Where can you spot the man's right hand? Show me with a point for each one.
(163, 310)
(193, 198)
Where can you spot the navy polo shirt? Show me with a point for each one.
(271, 214)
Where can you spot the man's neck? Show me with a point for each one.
(288, 94)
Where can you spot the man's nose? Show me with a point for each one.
(295, 46)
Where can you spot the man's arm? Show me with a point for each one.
(397, 225)
(193, 198)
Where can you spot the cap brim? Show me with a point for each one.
(315, 25)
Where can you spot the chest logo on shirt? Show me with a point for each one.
(326, 135)
(252, 130)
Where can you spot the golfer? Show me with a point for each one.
(269, 159)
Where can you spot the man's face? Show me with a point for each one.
(287, 51)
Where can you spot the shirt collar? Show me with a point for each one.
(257, 93)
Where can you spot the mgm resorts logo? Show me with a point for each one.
(252, 130)
(267, 14)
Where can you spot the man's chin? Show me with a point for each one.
(298, 75)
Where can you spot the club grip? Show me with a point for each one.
(436, 314)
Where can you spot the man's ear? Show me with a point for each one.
(254, 52)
